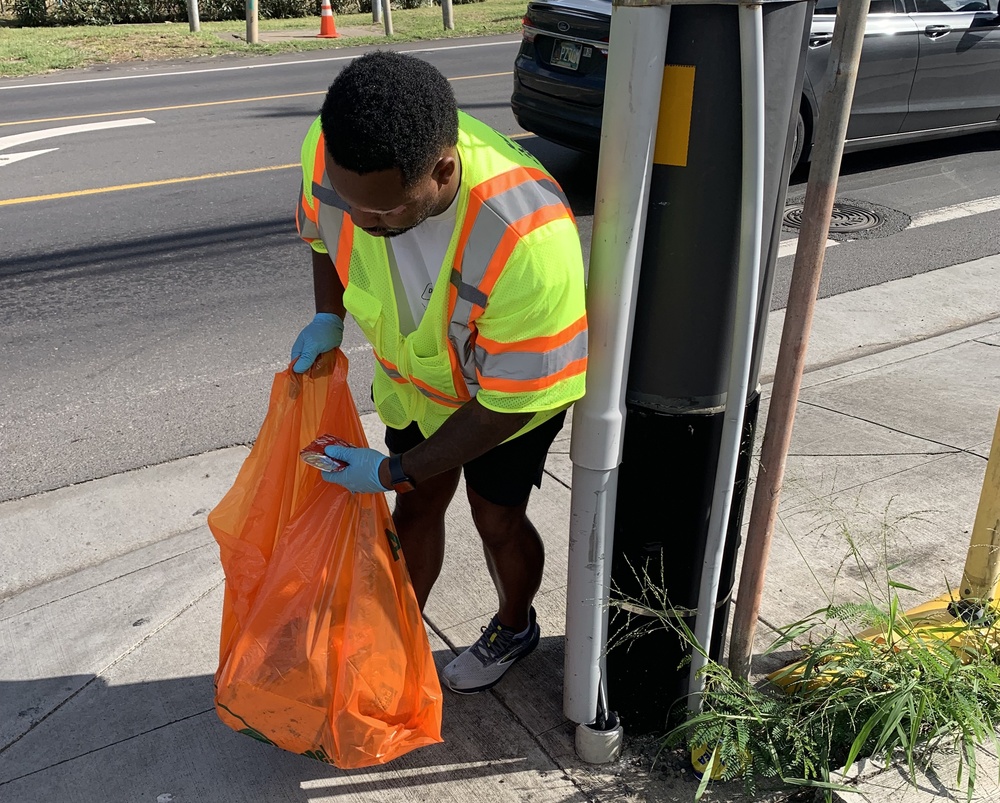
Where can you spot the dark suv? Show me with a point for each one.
(929, 68)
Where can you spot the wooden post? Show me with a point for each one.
(831, 130)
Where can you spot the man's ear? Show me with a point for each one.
(444, 170)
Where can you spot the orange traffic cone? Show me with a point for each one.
(327, 27)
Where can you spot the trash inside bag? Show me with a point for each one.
(323, 650)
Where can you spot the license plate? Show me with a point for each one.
(566, 54)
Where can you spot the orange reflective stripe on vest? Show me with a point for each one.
(502, 210)
(532, 364)
(431, 393)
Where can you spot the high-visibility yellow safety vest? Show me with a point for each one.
(506, 321)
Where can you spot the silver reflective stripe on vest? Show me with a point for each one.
(525, 365)
(391, 372)
(491, 223)
(467, 292)
(301, 221)
(330, 218)
(328, 196)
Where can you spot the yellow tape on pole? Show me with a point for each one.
(673, 129)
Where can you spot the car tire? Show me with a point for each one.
(801, 142)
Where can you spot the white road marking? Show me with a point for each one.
(249, 66)
(13, 140)
(942, 215)
(787, 247)
(956, 211)
(10, 158)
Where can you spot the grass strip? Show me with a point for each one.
(32, 51)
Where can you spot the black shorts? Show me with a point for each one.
(505, 474)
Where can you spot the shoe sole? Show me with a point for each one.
(478, 689)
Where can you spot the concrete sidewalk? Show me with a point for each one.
(111, 590)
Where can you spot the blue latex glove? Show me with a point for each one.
(324, 333)
(361, 474)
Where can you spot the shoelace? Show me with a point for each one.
(489, 649)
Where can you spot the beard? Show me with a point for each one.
(386, 231)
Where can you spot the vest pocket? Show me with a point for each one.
(366, 310)
(432, 376)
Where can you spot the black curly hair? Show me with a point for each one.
(389, 110)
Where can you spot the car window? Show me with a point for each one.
(946, 6)
(877, 7)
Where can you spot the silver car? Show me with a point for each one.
(929, 68)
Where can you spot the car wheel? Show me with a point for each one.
(801, 144)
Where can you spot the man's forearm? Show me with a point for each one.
(327, 286)
(469, 432)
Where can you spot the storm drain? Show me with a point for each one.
(851, 220)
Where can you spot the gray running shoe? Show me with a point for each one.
(483, 665)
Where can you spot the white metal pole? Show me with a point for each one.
(194, 21)
(252, 37)
(448, 12)
(376, 11)
(387, 16)
(636, 56)
(751, 22)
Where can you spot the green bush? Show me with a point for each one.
(33, 13)
(30, 13)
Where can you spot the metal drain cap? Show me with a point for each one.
(852, 219)
(845, 218)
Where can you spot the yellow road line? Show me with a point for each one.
(211, 103)
(159, 109)
(98, 190)
(118, 188)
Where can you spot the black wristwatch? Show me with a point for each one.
(401, 481)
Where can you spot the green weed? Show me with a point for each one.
(850, 695)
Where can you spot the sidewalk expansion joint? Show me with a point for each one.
(103, 582)
(559, 480)
(875, 454)
(897, 344)
(111, 665)
(440, 634)
(952, 448)
(106, 746)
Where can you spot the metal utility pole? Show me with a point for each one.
(376, 11)
(449, 15)
(643, 501)
(387, 15)
(252, 37)
(193, 20)
(828, 148)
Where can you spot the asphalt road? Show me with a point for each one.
(143, 323)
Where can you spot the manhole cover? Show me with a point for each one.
(852, 219)
(845, 218)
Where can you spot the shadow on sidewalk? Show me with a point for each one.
(161, 740)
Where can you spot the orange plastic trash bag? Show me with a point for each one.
(323, 649)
